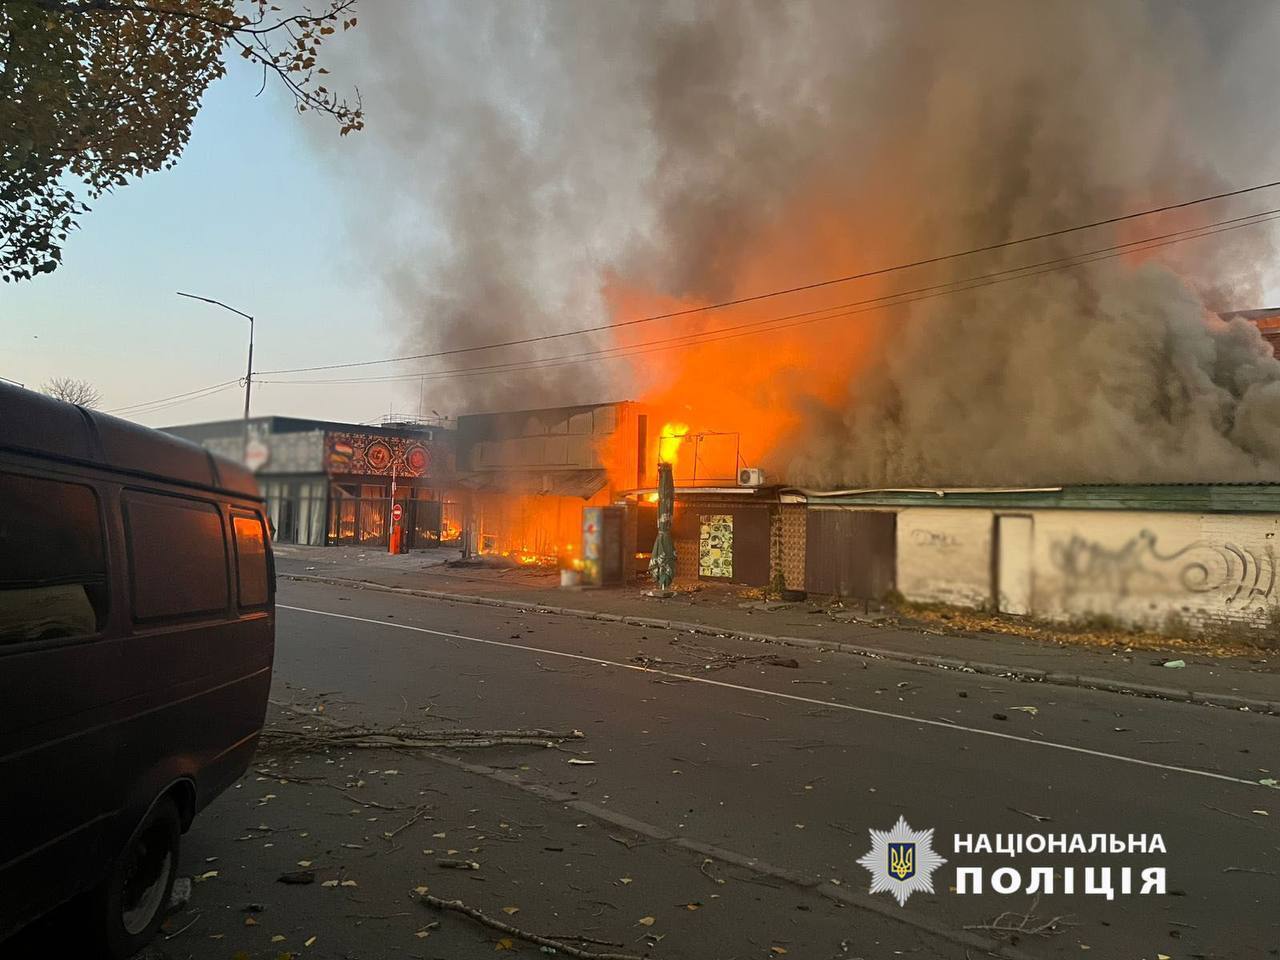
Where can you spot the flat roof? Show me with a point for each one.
(278, 425)
(1177, 497)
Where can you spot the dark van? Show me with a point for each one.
(137, 628)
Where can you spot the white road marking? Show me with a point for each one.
(787, 696)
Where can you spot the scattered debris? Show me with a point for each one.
(1175, 664)
(1031, 710)
(182, 929)
(1011, 924)
(1265, 873)
(181, 894)
(372, 738)
(558, 946)
(1038, 818)
(458, 864)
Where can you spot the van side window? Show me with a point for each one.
(251, 559)
(53, 569)
(177, 556)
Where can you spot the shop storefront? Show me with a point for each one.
(336, 483)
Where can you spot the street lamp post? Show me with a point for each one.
(248, 377)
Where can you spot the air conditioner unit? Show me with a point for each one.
(751, 477)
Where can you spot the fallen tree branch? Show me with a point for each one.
(370, 803)
(558, 945)
(417, 815)
(432, 739)
(1011, 923)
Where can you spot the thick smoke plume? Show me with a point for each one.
(554, 166)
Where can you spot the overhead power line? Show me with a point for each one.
(149, 406)
(833, 312)
(867, 274)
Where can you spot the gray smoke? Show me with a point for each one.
(532, 153)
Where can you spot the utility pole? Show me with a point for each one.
(248, 377)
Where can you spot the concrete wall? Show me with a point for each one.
(1209, 571)
(1202, 572)
(944, 555)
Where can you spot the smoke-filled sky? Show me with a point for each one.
(540, 167)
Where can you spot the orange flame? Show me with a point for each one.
(669, 441)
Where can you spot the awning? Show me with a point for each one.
(584, 484)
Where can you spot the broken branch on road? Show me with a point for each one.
(557, 945)
(376, 738)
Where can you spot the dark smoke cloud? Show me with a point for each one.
(524, 152)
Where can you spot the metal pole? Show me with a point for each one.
(248, 378)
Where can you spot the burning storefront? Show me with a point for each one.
(525, 476)
(335, 483)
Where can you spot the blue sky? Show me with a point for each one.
(251, 216)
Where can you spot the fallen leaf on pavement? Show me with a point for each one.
(277, 939)
(510, 911)
(506, 943)
(250, 922)
(579, 762)
(421, 890)
(1031, 710)
(329, 883)
(348, 883)
(646, 921)
(778, 951)
(310, 942)
(207, 875)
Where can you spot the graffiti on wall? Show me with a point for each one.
(715, 545)
(1243, 576)
(934, 539)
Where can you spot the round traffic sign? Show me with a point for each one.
(397, 512)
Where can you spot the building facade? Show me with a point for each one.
(327, 482)
(1198, 559)
(524, 476)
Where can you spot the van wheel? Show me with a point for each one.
(129, 906)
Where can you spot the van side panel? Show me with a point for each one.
(57, 739)
(172, 686)
(196, 681)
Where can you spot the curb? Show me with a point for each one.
(1026, 674)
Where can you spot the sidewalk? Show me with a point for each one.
(1251, 683)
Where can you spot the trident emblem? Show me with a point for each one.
(902, 860)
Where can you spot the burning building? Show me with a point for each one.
(525, 476)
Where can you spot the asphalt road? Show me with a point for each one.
(726, 804)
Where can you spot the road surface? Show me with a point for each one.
(725, 805)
